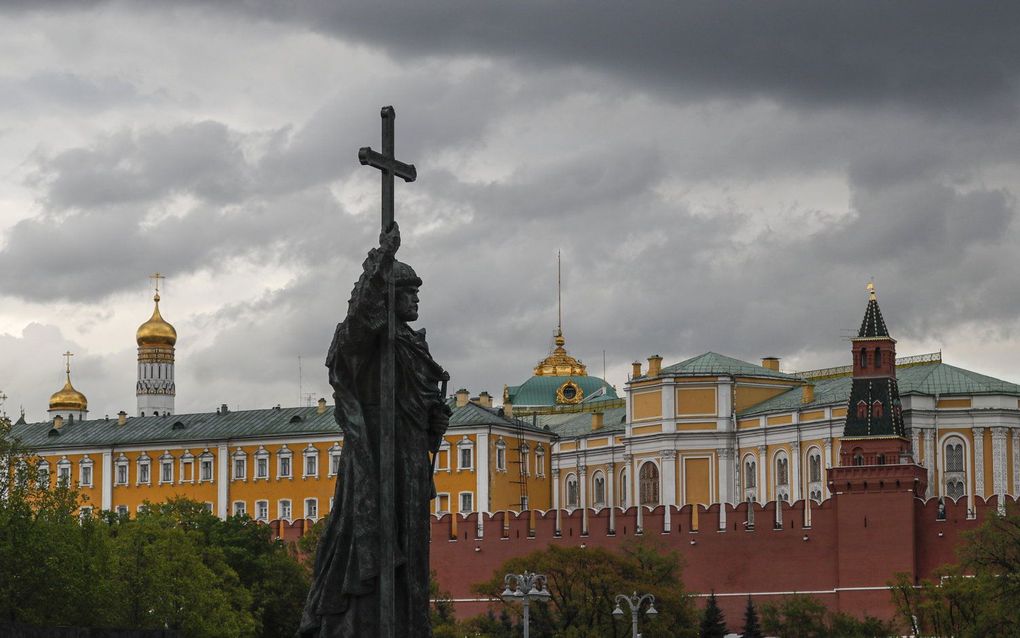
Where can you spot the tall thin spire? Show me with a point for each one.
(559, 296)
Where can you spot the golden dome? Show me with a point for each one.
(156, 331)
(559, 363)
(67, 398)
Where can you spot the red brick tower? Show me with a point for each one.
(877, 481)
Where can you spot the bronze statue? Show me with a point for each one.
(372, 562)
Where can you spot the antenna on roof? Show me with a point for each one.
(559, 296)
(308, 396)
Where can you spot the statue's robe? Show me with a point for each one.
(343, 600)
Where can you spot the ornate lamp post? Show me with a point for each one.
(634, 602)
(526, 587)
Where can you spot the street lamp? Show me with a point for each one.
(635, 602)
(525, 587)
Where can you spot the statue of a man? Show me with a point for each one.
(343, 601)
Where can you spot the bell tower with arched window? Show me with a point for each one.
(156, 339)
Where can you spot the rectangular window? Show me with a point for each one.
(334, 464)
(465, 458)
(206, 469)
(64, 476)
(285, 510)
(122, 510)
(122, 474)
(239, 508)
(284, 467)
(143, 473)
(262, 468)
(187, 469)
(43, 479)
(540, 464)
(311, 508)
(86, 475)
(312, 465)
(167, 469)
(208, 507)
(501, 459)
(442, 503)
(239, 469)
(262, 510)
(442, 459)
(467, 503)
(86, 512)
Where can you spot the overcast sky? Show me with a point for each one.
(718, 176)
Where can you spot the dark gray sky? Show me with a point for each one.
(718, 176)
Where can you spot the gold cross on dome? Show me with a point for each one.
(155, 277)
(871, 289)
(68, 355)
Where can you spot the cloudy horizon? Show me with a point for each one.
(717, 176)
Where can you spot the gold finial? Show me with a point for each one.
(67, 355)
(871, 290)
(155, 277)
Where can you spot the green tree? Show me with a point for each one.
(802, 616)
(752, 628)
(584, 583)
(712, 623)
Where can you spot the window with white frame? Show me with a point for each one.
(262, 511)
(334, 459)
(573, 493)
(312, 508)
(85, 472)
(63, 472)
(815, 475)
(187, 467)
(208, 506)
(956, 468)
(144, 468)
(540, 460)
(525, 451)
(42, 476)
(782, 473)
(284, 463)
(442, 503)
(648, 484)
(443, 457)
(467, 502)
(598, 489)
(85, 513)
(465, 454)
(311, 456)
(500, 455)
(262, 464)
(166, 468)
(285, 509)
(239, 508)
(240, 460)
(750, 479)
(122, 511)
(205, 467)
(121, 470)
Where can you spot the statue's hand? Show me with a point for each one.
(389, 241)
(439, 419)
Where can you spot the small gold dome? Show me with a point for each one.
(559, 363)
(67, 398)
(156, 331)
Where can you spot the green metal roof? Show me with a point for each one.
(712, 363)
(579, 423)
(475, 415)
(541, 391)
(924, 379)
(180, 428)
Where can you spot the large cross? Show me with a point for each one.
(68, 355)
(155, 277)
(390, 167)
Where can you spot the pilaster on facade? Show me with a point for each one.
(999, 465)
(667, 460)
(979, 462)
(930, 459)
(482, 479)
(763, 460)
(827, 454)
(915, 444)
(1016, 462)
(222, 480)
(106, 497)
(555, 472)
(728, 480)
(668, 393)
(795, 466)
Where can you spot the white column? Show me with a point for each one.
(999, 464)
(611, 486)
(635, 490)
(582, 477)
(481, 478)
(727, 481)
(915, 444)
(107, 494)
(667, 459)
(1016, 463)
(555, 471)
(827, 459)
(795, 467)
(930, 458)
(222, 481)
(669, 406)
(979, 462)
(763, 488)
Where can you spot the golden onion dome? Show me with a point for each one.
(156, 331)
(67, 398)
(559, 363)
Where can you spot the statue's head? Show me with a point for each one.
(406, 283)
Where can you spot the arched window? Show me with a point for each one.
(862, 410)
(573, 494)
(782, 477)
(956, 468)
(624, 493)
(864, 358)
(876, 409)
(815, 474)
(649, 484)
(858, 456)
(598, 489)
(750, 479)
(878, 357)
